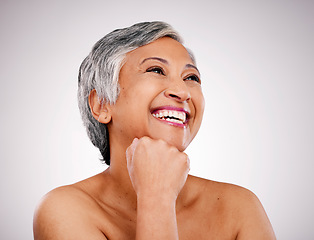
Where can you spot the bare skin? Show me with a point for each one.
(146, 193)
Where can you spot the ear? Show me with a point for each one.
(99, 109)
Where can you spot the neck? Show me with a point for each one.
(118, 177)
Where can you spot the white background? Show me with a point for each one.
(256, 60)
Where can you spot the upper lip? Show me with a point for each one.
(172, 108)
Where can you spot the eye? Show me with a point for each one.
(157, 70)
(193, 78)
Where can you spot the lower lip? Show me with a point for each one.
(181, 125)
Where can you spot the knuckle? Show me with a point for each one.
(161, 142)
(145, 140)
(142, 142)
(173, 149)
(185, 158)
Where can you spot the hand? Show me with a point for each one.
(156, 168)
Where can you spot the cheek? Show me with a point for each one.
(199, 101)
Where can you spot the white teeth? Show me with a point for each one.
(174, 120)
(176, 115)
(171, 116)
(182, 116)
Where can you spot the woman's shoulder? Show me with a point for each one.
(61, 196)
(64, 208)
(58, 202)
(231, 193)
(224, 198)
(77, 194)
(233, 203)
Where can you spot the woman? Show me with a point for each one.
(141, 101)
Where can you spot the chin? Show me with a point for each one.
(174, 136)
(179, 142)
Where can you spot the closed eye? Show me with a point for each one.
(193, 78)
(157, 70)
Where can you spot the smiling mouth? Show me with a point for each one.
(178, 117)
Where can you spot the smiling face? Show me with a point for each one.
(160, 96)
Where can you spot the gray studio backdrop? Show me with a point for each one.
(256, 60)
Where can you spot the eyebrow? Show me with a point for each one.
(192, 66)
(166, 62)
(155, 58)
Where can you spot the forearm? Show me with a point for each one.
(158, 171)
(156, 218)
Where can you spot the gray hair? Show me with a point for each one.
(100, 71)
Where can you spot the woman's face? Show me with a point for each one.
(160, 96)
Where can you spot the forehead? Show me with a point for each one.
(165, 47)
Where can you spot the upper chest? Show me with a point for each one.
(214, 221)
(194, 222)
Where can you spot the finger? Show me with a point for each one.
(187, 161)
(130, 150)
(133, 145)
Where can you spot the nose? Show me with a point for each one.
(178, 91)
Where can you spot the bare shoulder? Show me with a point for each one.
(251, 220)
(64, 213)
(229, 193)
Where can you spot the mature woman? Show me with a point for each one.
(141, 101)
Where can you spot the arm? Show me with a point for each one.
(156, 219)
(63, 214)
(158, 172)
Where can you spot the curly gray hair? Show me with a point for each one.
(100, 71)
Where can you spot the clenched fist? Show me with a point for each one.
(156, 168)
